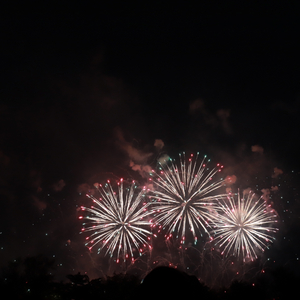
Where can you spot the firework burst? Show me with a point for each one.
(183, 196)
(244, 225)
(118, 221)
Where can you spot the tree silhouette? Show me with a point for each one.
(79, 279)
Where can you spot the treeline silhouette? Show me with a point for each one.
(32, 278)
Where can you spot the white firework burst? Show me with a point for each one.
(245, 225)
(183, 196)
(118, 221)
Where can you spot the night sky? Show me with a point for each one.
(90, 94)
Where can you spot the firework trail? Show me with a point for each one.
(118, 221)
(244, 226)
(183, 196)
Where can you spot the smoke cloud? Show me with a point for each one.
(163, 159)
(229, 180)
(223, 115)
(41, 205)
(138, 158)
(277, 172)
(136, 155)
(58, 186)
(219, 119)
(266, 194)
(159, 144)
(258, 149)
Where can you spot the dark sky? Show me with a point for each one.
(87, 90)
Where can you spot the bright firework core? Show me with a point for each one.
(183, 195)
(244, 226)
(118, 221)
